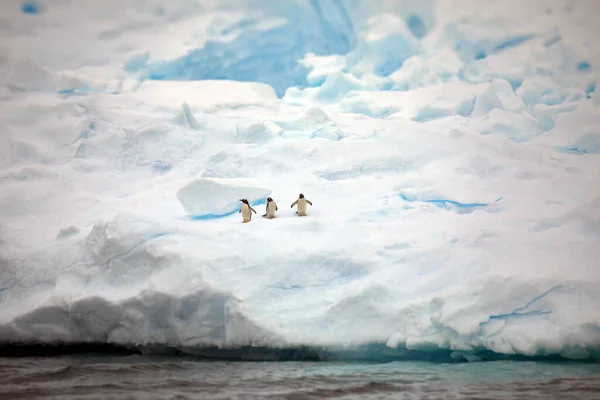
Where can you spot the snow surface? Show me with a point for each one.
(451, 150)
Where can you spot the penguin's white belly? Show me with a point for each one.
(301, 206)
(245, 212)
(271, 207)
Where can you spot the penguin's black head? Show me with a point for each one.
(269, 199)
(244, 201)
(301, 196)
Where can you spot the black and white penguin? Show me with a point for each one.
(246, 211)
(301, 202)
(271, 208)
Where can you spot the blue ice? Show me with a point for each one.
(268, 56)
(463, 208)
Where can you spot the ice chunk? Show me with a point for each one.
(587, 216)
(588, 143)
(35, 172)
(547, 115)
(384, 48)
(207, 95)
(447, 99)
(335, 86)
(259, 132)
(28, 75)
(186, 118)
(137, 61)
(477, 38)
(17, 152)
(537, 89)
(65, 232)
(321, 67)
(499, 94)
(68, 83)
(427, 70)
(116, 238)
(197, 319)
(571, 130)
(561, 61)
(510, 124)
(315, 123)
(212, 198)
(315, 117)
(558, 63)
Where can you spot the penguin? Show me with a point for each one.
(301, 202)
(246, 211)
(270, 209)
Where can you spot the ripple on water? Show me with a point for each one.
(102, 377)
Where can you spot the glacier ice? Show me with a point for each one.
(451, 150)
(266, 48)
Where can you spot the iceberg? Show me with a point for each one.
(451, 155)
(208, 198)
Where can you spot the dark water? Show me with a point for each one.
(140, 377)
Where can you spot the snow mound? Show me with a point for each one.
(210, 198)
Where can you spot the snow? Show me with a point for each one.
(450, 149)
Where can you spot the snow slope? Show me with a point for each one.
(451, 150)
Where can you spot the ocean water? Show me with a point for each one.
(450, 149)
(143, 377)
